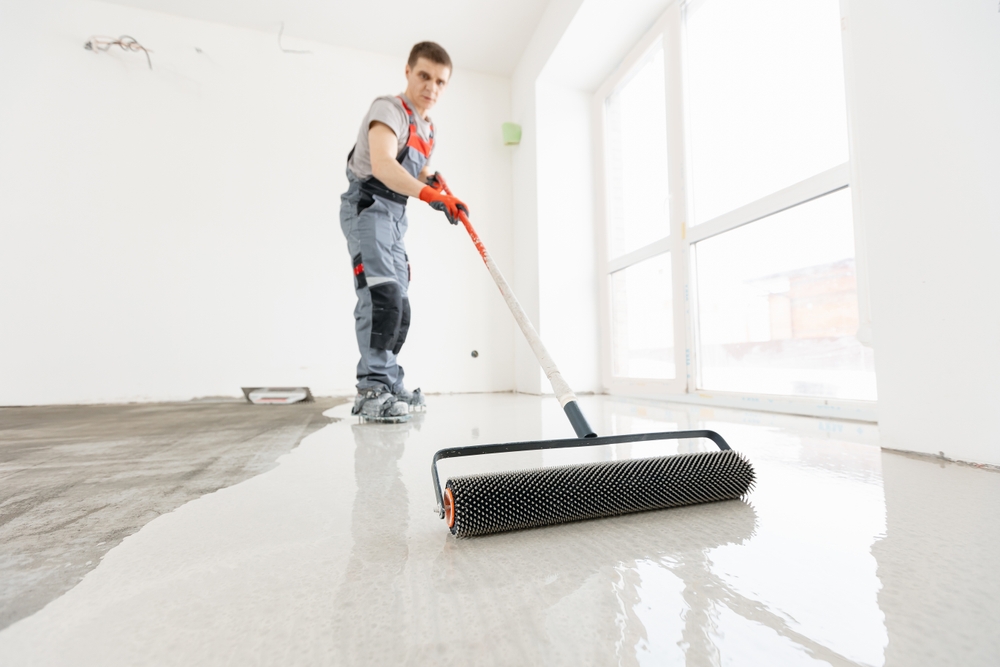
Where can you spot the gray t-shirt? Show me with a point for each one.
(389, 110)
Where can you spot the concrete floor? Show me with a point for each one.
(76, 480)
(843, 555)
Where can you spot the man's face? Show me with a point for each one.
(425, 81)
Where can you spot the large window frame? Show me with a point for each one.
(668, 31)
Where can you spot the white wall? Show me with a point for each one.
(558, 15)
(173, 233)
(924, 101)
(577, 44)
(567, 271)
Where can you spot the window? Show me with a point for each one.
(637, 166)
(730, 248)
(766, 105)
(778, 306)
(642, 327)
(642, 321)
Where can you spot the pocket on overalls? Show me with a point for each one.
(404, 326)
(387, 315)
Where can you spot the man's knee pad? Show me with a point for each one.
(404, 326)
(387, 315)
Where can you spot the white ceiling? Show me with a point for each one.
(483, 35)
(599, 37)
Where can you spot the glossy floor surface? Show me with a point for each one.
(842, 555)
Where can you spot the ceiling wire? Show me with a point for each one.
(125, 42)
(281, 31)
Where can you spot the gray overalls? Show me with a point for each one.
(373, 219)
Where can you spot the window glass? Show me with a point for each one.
(777, 306)
(765, 98)
(642, 326)
(636, 129)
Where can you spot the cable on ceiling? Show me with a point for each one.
(127, 43)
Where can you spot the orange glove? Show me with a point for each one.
(437, 182)
(442, 202)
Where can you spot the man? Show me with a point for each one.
(387, 165)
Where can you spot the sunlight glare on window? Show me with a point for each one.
(766, 106)
(638, 200)
(642, 324)
(777, 306)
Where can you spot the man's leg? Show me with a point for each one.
(401, 270)
(373, 366)
(383, 305)
(369, 238)
(414, 399)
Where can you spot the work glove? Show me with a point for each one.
(442, 202)
(437, 182)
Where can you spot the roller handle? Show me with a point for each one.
(478, 450)
(578, 421)
(567, 399)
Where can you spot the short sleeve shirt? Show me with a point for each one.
(389, 110)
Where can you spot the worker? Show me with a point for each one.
(389, 164)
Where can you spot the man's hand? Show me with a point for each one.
(442, 202)
(436, 181)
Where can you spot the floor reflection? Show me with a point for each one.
(937, 563)
(780, 589)
(564, 571)
(370, 597)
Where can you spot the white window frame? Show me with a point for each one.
(668, 30)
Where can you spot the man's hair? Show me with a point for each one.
(430, 50)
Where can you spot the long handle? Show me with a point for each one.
(567, 399)
(478, 450)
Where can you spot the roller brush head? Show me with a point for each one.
(499, 502)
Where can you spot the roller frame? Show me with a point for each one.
(478, 450)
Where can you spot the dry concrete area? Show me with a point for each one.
(75, 480)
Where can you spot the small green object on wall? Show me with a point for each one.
(511, 134)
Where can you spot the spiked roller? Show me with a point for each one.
(497, 502)
(501, 501)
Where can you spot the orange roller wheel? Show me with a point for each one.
(449, 508)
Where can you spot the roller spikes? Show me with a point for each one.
(499, 502)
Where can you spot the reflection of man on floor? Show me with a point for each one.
(371, 610)
(387, 165)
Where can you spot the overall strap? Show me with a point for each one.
(423, 147)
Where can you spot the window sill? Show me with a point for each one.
(827, 408)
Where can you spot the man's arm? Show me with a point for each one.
(382, 143)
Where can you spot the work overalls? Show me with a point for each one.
(373, 218)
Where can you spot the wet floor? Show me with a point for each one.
(842, 555)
